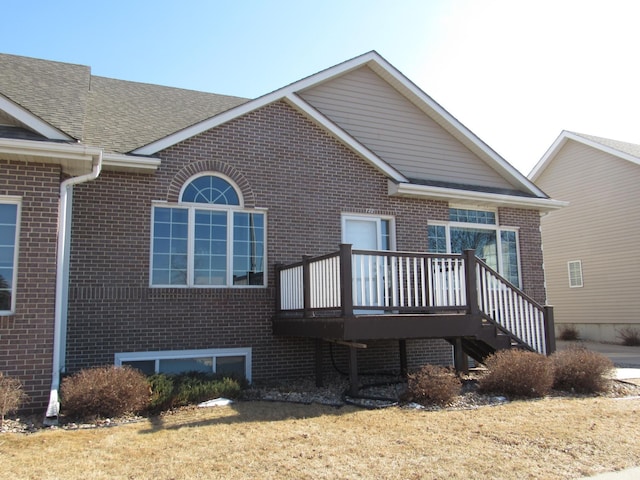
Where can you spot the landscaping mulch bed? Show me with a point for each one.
(378, 391)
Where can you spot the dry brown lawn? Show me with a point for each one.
(549, 438)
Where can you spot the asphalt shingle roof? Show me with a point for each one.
(624, 147)
(116, 115)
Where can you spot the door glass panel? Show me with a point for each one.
(367, 234)
(482, 241)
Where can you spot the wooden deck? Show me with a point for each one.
(355, 296)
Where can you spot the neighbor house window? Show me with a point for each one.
(9, 211)
(234, 362)
(575, 273)
(208, 239)
(478, 229)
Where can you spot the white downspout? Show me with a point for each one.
(62, 266)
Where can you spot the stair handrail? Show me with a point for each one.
(513, 311)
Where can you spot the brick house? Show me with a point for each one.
(165, 228)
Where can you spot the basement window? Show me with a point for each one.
(235, 362)
(575, 273)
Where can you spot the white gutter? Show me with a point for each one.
(473, 197)
(62, 266)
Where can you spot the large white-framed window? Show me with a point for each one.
(234, 362)
(575, 273)
(9, 235)
(478, 229)
(208, 239)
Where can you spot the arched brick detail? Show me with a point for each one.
(213, 166)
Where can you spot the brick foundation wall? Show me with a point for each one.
(26, 338)
(282, 162)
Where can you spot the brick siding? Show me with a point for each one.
(26, 338)
(282, 162)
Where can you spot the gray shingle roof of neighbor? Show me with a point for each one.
(624, 147)
(116, 115)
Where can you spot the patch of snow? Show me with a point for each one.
(216, 402)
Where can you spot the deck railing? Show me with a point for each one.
(512, 310)
(378, 282)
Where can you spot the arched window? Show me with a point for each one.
(210, 189)
(208, 239)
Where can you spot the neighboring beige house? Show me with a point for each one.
(591, 262)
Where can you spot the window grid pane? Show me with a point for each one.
(472, 216)
(8, 229)
(437, 238)
(248, 249)
(170, 232)
(210, 189)
(509, 247)
(575, 274)
(210, 248)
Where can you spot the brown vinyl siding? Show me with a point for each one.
(600, 227)
(397, 131)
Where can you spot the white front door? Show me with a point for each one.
(361, 232)
(366, 233)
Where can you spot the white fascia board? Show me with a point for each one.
(37, 148)
(32, 121)
(251, 105)
(551, 152)
(129, 163)
(295, 101)
(562, 140)
(75, 159)
(473, 198)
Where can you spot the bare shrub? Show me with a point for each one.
(11, 395)
(433, 384)
(629, 336)
(580, 370)
(105, 392)
(517, 373)
(569, 333)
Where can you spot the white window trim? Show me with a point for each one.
(579, 263)
(371, 217)
(184, 354)
(192, 207)
(482, 226)
(10, 199)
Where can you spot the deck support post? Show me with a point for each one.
(549, 330)
(460, 359)
(318, 360)
(403, 358)
(353, 371)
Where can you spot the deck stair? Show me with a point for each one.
(362, 295)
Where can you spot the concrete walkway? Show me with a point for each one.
(627, 363)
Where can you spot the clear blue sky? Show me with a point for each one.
(514, 72)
